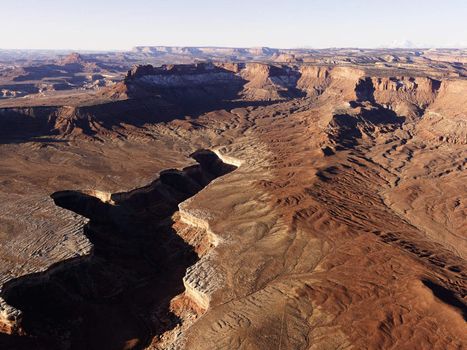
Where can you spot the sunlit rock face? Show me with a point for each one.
(301, 200)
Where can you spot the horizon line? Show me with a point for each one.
(245, 47)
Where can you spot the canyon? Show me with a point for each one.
(238, 199)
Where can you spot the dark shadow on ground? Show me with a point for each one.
(347, 129)
(30, 124)
(447, 296)
(118, 296)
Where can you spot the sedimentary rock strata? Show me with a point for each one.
(329, 211)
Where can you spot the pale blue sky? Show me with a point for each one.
(119, 24)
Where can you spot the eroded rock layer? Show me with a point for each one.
(116, 297)
(343, 225)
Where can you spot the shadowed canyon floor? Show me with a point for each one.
(119, 296)
(329, 214)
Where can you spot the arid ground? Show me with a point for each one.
(244, 199)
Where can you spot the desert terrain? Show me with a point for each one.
(229, 198)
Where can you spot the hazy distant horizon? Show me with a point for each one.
(117, 25)
(68, 50)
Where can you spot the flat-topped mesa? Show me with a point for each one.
(248, 81)
(206, 52)
(189, 85)
(182, 74)
(158, 50)
(404, 84)
(445, 119)
(314, 79)
(259, 81)
(407, 96)
(263, 51)
(270, 82)
(72, 58)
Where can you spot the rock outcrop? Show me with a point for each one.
(135, 249)
(10, 318)
(151, 94)
(342, 226)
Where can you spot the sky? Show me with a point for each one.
(123, 24)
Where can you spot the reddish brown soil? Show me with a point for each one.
(342, 227)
